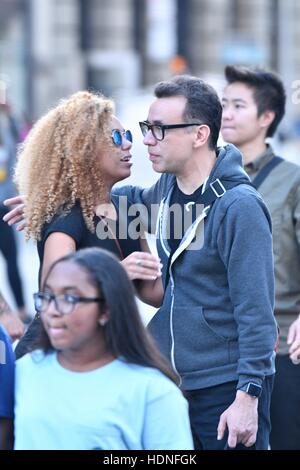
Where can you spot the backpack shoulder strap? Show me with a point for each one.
(265, 171)
(217, 189)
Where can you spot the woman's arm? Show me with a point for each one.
(145, 268)
(57, 245)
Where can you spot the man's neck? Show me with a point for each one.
(196, 173)
(252, 150)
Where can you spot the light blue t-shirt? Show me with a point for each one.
(115, 407)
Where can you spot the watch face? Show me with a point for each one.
(253, 389)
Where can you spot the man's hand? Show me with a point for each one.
(294, 340)
(17, 214)
(10, 320)
(241, 419)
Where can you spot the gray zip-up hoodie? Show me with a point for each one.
(216, 323)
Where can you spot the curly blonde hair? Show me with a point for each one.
(57, 164)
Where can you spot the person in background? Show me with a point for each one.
(10, 321)
(253, 106)
(9, 138)
(95, 368)
(7, 369)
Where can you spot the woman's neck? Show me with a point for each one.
(104, 206)
(105, 197)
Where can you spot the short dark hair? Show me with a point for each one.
(125, 335)
(202, 104)
(269, 93)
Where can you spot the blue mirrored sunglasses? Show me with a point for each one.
(117, 136)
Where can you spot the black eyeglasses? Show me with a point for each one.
(117, 136)
(158, 130)
(64, 303)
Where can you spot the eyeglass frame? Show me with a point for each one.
(127, 135)
(164, 127)
(75, 300)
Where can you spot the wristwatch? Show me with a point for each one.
(252, 389)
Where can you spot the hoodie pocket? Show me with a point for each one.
(197, 345)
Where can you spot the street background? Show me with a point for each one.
(52, 48)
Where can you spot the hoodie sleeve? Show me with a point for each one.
(245, 246)
(146, 200)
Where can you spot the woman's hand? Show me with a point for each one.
(142, 265)
(17, 214)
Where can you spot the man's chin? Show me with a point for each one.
(157, 168)
(228, 137)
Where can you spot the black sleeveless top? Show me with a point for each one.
(72, 223)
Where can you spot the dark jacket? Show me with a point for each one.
(281, 193)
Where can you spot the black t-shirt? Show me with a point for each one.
(183, 216)
(72, 223)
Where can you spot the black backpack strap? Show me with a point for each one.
(217, 189)
(265, 171)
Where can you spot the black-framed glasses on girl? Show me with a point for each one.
(64, 303)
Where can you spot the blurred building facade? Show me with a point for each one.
(61, 46)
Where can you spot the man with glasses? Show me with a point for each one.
(216, 323)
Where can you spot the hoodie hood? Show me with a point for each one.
(229, 165)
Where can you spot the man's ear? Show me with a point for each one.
(202, 136)
(266, 118)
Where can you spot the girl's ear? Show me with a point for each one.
(104, 318)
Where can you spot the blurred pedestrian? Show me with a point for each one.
(8, 246)
(253, 106)
(95, 381)
(9, 320)
(7, 368)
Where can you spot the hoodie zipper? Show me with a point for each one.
(172, 330)
(172, 299)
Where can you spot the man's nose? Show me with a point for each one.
(149, 138)
(227, 113)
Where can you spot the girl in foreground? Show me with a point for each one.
(95, 380)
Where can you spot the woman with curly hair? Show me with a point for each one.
(67, 167)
